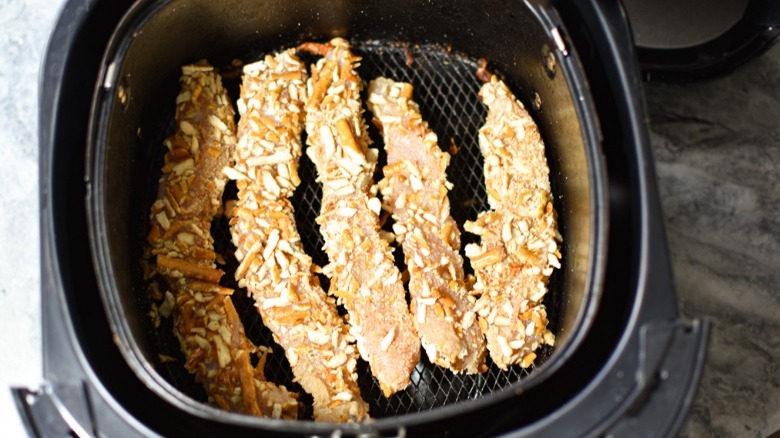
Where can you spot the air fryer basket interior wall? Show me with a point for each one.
(143, 64)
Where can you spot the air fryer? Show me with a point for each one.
(623, 360)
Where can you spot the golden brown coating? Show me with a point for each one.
(362, 270)
(519, 236)
(212, 337)
(273, 265)
(415, 191)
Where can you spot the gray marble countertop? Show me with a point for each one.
(717, 150)
(717, 153)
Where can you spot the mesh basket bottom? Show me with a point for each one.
(446, 89)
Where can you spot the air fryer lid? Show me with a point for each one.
(134, 107)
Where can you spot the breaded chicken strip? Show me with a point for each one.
(190, 194)
(273, 265)
(519, 245)
(415, 192)
(362, 270)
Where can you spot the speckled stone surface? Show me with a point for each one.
(24, 30)
(717, 151)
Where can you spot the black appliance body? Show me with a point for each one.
(626, 363)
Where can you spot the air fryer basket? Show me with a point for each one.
(523, 42)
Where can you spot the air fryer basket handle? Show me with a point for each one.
(55, 410)
(670, 369)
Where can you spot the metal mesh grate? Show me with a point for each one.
(446, 89)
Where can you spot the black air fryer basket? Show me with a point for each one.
(623, 360)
